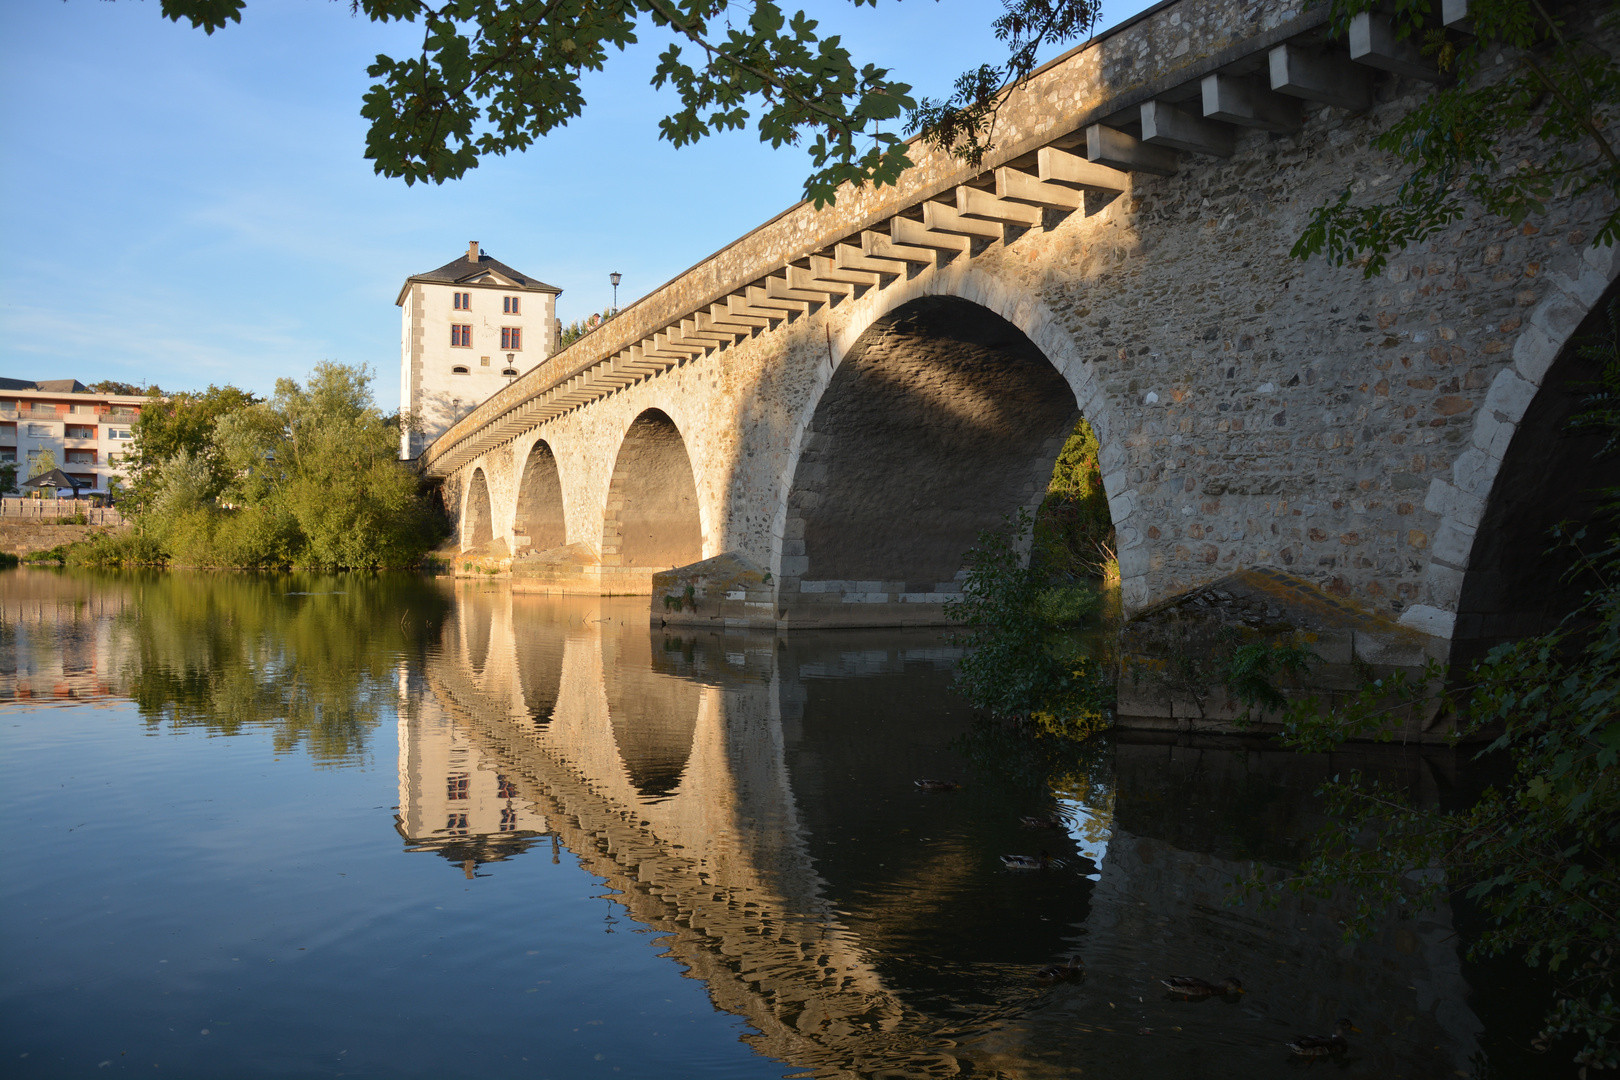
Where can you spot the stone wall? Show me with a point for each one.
(26, 537)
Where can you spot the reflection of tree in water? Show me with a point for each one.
(311, 657)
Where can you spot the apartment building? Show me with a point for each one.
(88, 433)
(466, 330)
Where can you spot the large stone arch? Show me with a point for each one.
(1473, 592)
(477, 521)
(940, 417)
(539, 519)
(1029, 315)
(652, 520)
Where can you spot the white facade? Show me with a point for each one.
(466, 330)
(87, 433)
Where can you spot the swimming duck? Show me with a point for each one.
(1030, 862)
(1323, 1045)
(936, 785)
(1052, 973)
(1051, 821)
(1189, 986)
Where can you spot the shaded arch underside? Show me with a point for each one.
(942, 418)
(539, 517)
(652, 514)
(1517, 582)
(477, 524)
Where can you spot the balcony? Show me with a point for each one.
(26, 412)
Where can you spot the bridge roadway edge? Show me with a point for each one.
(1438, 494)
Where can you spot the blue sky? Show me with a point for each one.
(188, 209)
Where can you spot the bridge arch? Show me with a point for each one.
(652, 518)
(477, 521)
(940, 416)
(1047, 372)
(539, 514)
(1485, 578)
(1511, 580)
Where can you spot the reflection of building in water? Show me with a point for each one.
(696, 774)
(58, 638)
(453, 799)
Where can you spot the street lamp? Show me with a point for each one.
(614, 277)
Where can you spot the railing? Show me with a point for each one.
(27, 413)
(51, 509)
(118, 416)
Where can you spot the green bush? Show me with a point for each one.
(1074, 532)
(309, 478)
(1018, 661)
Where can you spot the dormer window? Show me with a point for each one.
(509, 305)
(463, 301)
(460, 369)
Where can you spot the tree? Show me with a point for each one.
(494, 75)
(40, 462)
(181, 422)
(8, 477)
(1553, 89)
(113, 386)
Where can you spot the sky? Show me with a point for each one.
(190, 210)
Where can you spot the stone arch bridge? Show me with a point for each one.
(812, 424)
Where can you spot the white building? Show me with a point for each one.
(88, 433)
(466, 330)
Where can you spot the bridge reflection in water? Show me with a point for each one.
(750, 800)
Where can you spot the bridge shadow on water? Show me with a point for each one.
(750, 799)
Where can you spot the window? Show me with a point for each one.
(85, 479)
(8, 431)
(8, 453)
(463, 301)
(510, 373)
(40, 431)
(460, 336)
(460, 369)
(511, 337)
(115, 459)
(509, 305)
(119, 433)
(456, 786)
(80, 431)
(81, 457)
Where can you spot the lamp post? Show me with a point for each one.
(614, 277)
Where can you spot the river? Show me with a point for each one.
(393, 826)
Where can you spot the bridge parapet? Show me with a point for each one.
(1054, 144)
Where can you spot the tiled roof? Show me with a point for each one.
(49, 386)
(461, 270)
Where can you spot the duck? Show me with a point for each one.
(936, 785)
(1051, 821)
(1323, 1045)
(1052, 973)
(1192, 987)
(1030, 862)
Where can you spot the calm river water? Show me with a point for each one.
(399, 827)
